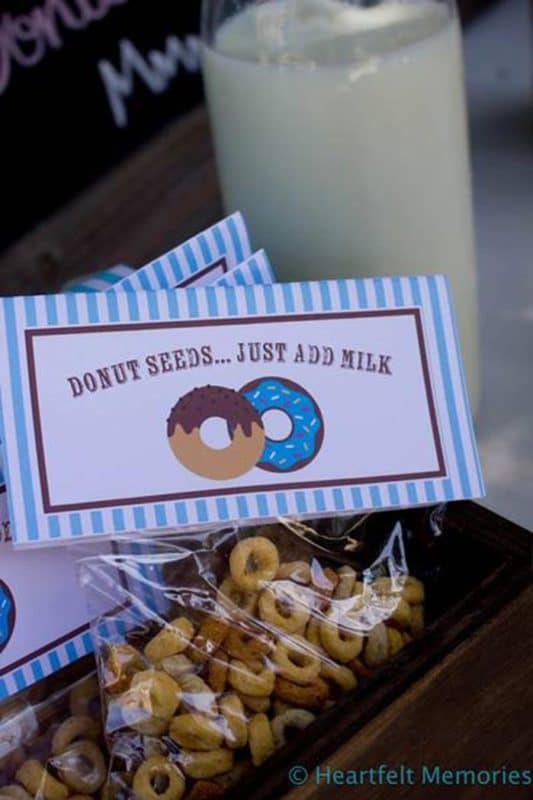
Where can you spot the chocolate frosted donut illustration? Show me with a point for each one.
(304, 441)
(244, 427)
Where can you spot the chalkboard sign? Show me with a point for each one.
(83, 82)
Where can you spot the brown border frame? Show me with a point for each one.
(222, 262)
(31, 334)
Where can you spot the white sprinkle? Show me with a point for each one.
(275, 397)
(283, 461)
(306, 429)
(298, 416)
(256, 395)
(305, 446)
(313, 423)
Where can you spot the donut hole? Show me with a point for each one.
(346, 633)
(214, 433)
(160, 782)
(277, 424)
(299, 659)
(84, 766)
(253, 565)
(76, 763)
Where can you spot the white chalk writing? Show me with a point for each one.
(25, 39)
(156, 71)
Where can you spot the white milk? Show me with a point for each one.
(340, 133)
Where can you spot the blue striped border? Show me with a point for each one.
(99, 281)
(429, 293)
(228, 238)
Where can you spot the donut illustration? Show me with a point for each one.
(244, 427)
(7, 615)
(304, 441)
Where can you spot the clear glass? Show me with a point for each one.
(340, 132)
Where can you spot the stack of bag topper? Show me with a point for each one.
(223, 589)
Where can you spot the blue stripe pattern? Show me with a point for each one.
(275, 299)
(228, 239)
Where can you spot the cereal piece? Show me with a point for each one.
(176, 666)
(253, 679)
(324, 582)
(205, 764)
(385, 585)
(158, 779)
(197, 695)
(122, 662)
(377, 646)
(236, 729)
(297, 718)
(259, 705)
(80, 797)
(345, 587)
(247, 644)
(38, 781)
(235, 599)
(253, 562)
(312, 634)
(151, 701)
(209, 638)
(338, 640)
(195, 732)
(174, 638)
(339, 674)
(295, 660)
(413, 591)
(312, 696)
(14, 792)
(284, 607)
(74, 728)
(402, 615)
(163, 691)
(206, 790)
(83, 697)
(297, 571)
(260, 739)
(82, 767)
(417, 620)
(217, 671)
(395, 641)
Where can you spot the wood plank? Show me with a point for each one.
(160, 196)
(471, 711)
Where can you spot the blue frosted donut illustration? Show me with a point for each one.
(305, 439)
(7, 615)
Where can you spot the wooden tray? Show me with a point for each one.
(477, 567)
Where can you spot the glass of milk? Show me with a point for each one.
(340, 132)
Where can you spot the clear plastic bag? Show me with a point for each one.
(51, 738)
(221, 644)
